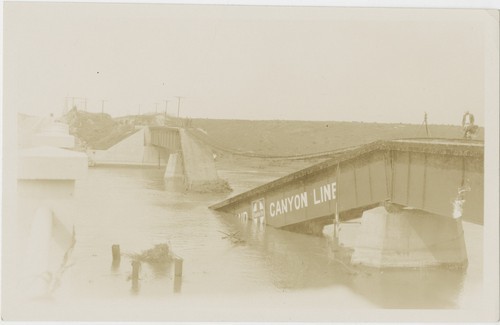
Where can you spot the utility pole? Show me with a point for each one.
(102, 106)
(178, 104)
(166, 106)
(80, 103)
(426, 126)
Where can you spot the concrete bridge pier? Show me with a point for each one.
(175, 167)
(409, 238)
(190, 162)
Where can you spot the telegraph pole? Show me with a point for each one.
(178, 104)
(425, 124)
(102, 106)
(166, 106)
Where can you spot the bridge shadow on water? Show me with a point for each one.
(299, 262)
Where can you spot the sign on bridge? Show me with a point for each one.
(258, 209)
(294, 202)
(283, 204)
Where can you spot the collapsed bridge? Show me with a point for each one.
(438, 177)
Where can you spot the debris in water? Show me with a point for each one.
(160, 253)
(216, 186)
(233, 237)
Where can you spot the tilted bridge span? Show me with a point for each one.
(427, 186)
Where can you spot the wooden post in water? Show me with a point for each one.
(136, 266)
(178, 273)
(178, 265)
(115, 250)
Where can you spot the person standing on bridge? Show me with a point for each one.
(468, 125)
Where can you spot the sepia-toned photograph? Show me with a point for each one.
(294, 162)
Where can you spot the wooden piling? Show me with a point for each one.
(178, 261)
(136, 266)
(178, 266)
(115, 265)
(115, 251)
(177, 284)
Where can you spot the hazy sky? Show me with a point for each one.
(307, 63)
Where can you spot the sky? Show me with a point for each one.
(247, 62)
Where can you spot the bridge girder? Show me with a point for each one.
(165, 137)
(422, 174)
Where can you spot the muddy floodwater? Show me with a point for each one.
(268, 274)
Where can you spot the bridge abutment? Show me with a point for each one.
(409, 238)
(191, 162)
(42, 235)
(175, 169)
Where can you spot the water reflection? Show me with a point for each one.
(160, 269)
(295, 261)
(115, 266)
(135, 276)
(415, 288)
(177, 284)
(135, 287)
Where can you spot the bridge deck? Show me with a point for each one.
(412, 172)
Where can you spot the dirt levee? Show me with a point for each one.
(279, 137)
(273, 138)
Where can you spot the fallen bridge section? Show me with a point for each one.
(425, 174)
(426, 188)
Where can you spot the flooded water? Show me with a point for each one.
(269, 274)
